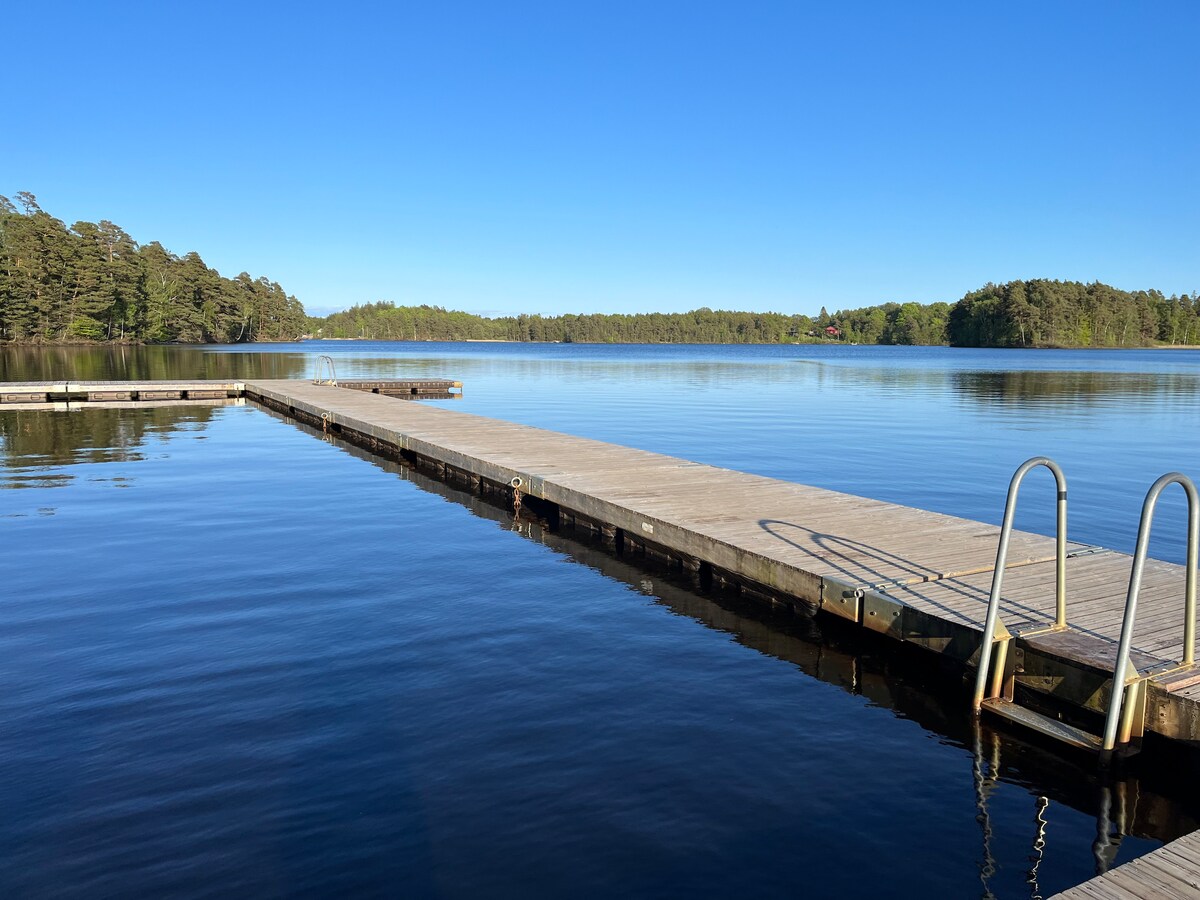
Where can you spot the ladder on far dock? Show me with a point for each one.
(424, 389)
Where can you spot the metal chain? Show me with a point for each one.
(516, 489)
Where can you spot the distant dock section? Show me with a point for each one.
(71, 394)
(44, 393)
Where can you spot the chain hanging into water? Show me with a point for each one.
(325, 422)
(516, 489)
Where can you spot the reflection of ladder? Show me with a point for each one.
(323, 363)
(985, 771)
(1115, 814)
(1127, 706)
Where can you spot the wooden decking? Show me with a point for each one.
(66, 394)
(917, 576)
(1168, 873)
(70, 394)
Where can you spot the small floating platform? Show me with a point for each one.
(428, 389)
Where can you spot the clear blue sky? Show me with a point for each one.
(619, 157)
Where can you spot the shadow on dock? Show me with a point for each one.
(833, 549)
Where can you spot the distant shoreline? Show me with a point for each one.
(82, 342)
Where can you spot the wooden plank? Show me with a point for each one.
(102, 396)
(1170, 871)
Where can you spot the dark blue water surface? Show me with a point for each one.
(238, 659)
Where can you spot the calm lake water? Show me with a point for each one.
(238, 659)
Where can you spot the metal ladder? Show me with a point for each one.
(992, 626)
(1116, 809)
(323, 363)
(1119, 729)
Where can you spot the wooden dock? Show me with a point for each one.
(1171, 872)
(51, 394)
(70, 394)
(917, 576)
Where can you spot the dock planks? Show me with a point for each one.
(61, 395)
(1172, 871)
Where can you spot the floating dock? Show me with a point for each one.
(1127, 803)
(919, 577)
(43, 393)
(69, 394)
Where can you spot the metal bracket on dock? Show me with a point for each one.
(842, 599)
(883, 614)
(1090, 550)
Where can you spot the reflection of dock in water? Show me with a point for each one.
(834, 652)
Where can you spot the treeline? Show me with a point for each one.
(1043, 313)
(385, 321)
(93, 282)
(1038, 313)
(891, 323)
(895, 323)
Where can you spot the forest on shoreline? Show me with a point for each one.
(1037, 313)
(92, 282)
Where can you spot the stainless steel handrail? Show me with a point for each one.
(1120, 679)
(1060, 572)
(322, 362)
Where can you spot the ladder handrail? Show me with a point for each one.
(322, 362)
(1135, 585)
(1060, 573)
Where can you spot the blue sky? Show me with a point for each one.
(622, 157)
